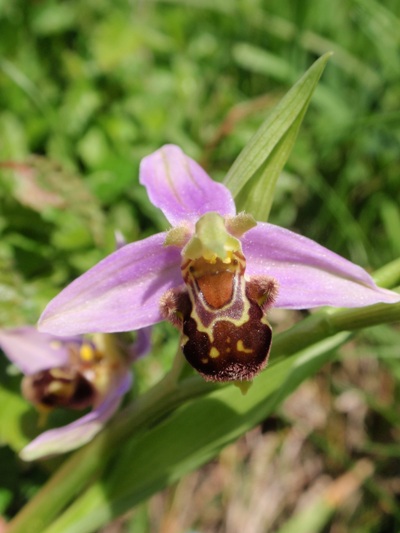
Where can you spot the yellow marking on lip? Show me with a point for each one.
(60, 389)
(221, 314)
(59, 373)
(241, 348)
(214, 353)
(204, 360)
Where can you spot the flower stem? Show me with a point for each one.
(329, 322)
(388, 276)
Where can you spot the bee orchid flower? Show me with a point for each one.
(214, 275)
(71, 372)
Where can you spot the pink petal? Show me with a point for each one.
(309, 275)
(32, 351)
(181, 188)
(121, 293)
(78, 433)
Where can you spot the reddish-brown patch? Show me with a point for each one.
(217, 289)
(74, 390)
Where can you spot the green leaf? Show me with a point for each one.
(390, 215)
(191, 436)
(257, 59)
(14, 410)
(253, 176)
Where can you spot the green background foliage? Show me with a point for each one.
(88, 88)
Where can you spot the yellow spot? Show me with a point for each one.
(86, 352)
(204, 360)
(240, 347)
(228, 350)
(228, 340)
(214, 352)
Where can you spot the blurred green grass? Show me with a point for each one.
(88, 88)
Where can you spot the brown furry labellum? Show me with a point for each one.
(225, 332)
(58, 387)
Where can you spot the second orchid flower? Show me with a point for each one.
(74, 373)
